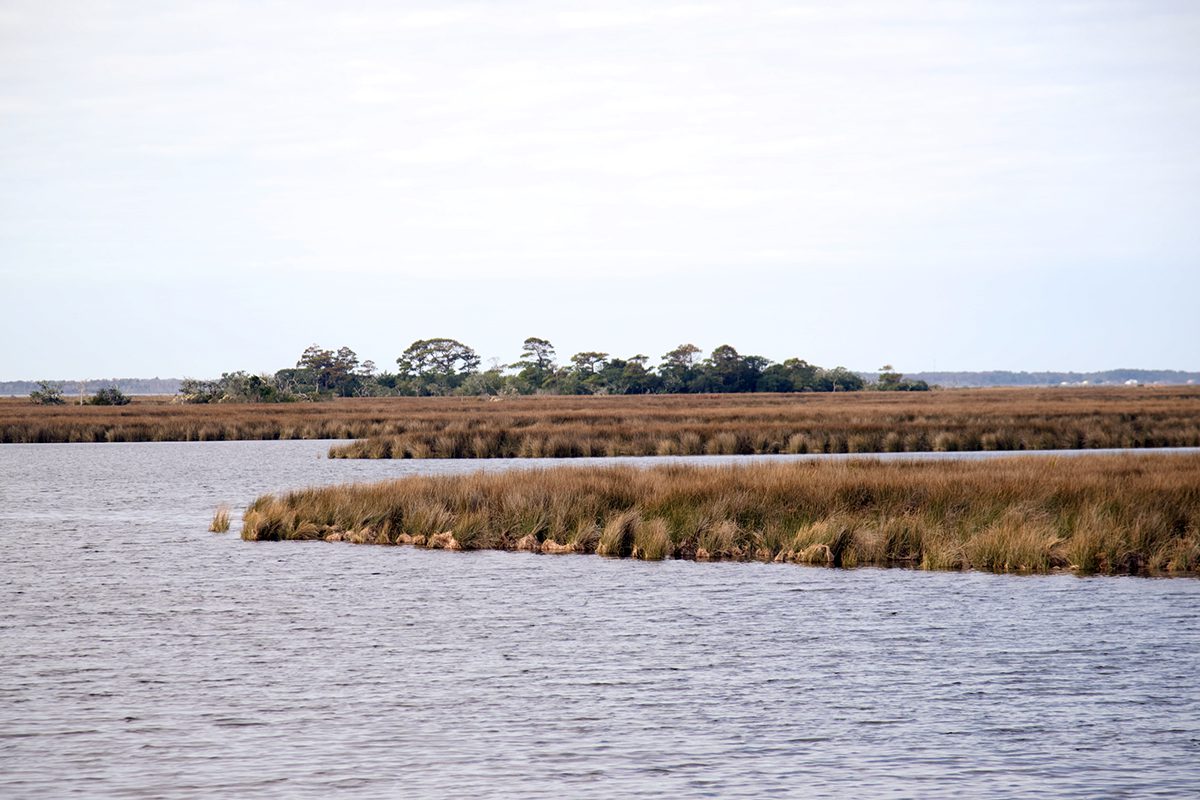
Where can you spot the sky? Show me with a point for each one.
(193, 188)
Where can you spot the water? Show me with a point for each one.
(141, 656)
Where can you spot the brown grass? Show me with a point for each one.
(220, 521)
(531, 427)
(963, 420)
(1137, 514)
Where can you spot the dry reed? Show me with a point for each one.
(1136, 514)
(220, 521)
(1011, 419)
(533, 427)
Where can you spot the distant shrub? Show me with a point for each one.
(47, 394)
(109, 396)
(892, 381)
(240, 387)
(192, 390)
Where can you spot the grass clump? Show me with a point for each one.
(220, 521)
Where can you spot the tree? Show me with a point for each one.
(677, 368)
(889, 379)
(892, 381)
(608, 378)
(319, 363)
(635, 378)
(328, 371)
(536, 364)
(752, 370)
(437, 365)
(684, 355)
(345, 360)
(344, 379)
(565, 380)
(802, 374)
(488, 383)
(47, 394)
(776, 378)
(586, 375)
(724, 366)
(726, 370)
(838, 379)
(589, 362)
(387, 380)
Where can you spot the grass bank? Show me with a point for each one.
(468, 427)
(973, 420)
(1103, 514)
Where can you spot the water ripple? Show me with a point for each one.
(143, 657)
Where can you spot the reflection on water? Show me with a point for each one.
(142, 656)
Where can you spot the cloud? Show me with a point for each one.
(612, 141)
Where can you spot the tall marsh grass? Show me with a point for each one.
(564, 427)
(1092, 514)
(971, 420)
(220, 521)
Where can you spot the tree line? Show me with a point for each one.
(442, 366)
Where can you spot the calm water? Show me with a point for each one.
(141, 656)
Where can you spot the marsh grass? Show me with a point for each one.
(220, 521)
(1128, 514)
(565, 427)
(954, 421)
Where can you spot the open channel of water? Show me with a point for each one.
(141, 656)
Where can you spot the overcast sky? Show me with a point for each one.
(187, 189)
